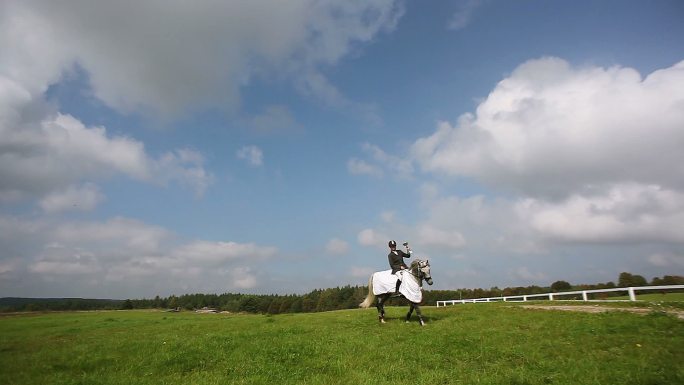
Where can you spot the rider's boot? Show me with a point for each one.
(396, 290)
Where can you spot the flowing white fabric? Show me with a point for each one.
(410, 288)
(385, 282)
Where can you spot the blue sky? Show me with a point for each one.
(159, 148)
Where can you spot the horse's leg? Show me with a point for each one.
(408, 315)
(420, 315)
(381, 308)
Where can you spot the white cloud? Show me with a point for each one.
(522, 240)
(398, 164)
(380, 163)
(243, 278)
(464, 14)
(120, 237)
(274, 119)
(625, 214)
(552, 130)
(44, 153)
(203, 53)
(57, 259)
(122, 255)
(584, 157)
(370, 237)
(337, 246)
(220, 252)
(183, 166)
(83, 198)
(252, 155)
(388, 216)
(429, 235)
(590, 152)
(360, 167)
(449, 221)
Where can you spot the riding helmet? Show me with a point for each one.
(392, 244)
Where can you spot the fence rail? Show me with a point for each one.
(555, 296)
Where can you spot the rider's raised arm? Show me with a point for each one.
(408, 252)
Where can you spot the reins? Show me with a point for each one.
(420, 276)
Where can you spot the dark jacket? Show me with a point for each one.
(396, 261)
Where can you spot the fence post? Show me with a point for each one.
(550, 296)
(524, 298)
(584, 296)
(632, 296)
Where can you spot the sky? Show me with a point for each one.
(172, 147)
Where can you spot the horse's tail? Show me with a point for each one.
(370, 297)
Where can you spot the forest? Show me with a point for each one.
(347, 297)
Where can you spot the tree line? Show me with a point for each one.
(347, 297)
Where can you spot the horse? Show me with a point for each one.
(411, 288)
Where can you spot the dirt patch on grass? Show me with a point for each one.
(602, 309)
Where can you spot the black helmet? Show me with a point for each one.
(392, 244)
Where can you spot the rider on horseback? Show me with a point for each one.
(396, 260)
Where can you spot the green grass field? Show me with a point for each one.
(464, 344)
(655, 297)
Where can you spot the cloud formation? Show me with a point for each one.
(625, 213)
(551, 130)
(337, 246)
(172, 56)
(589, 151)
(83, 198)
(252, 155)
(274, 119)
(192, 56)
(380, 163)
(44, 152)
(575, 156)
(93, 257)
(461, 18)
(162, 59)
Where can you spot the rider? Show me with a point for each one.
(396, 260)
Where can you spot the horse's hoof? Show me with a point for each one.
(408, 322)
(382, 321)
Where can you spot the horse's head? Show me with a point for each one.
(422, 269)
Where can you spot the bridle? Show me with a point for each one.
(421, 273)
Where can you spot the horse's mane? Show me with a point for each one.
(415, 263)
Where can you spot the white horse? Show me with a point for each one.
(382, 284)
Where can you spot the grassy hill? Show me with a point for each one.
(465, 344)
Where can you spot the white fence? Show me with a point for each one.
(556, 296)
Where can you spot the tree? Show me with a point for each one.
(296, 306)
(249, 304)
(173, 302)
(560, 286)
(627, 280)
(668, 280)
(127, 305)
